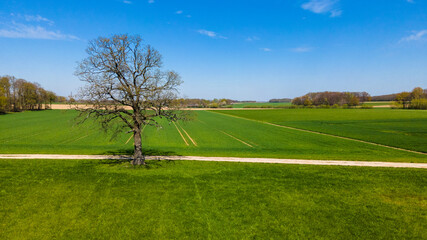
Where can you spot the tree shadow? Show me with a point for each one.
(147, 152)
(149, 164)
(124, 156)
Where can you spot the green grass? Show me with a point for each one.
(88, 199)
(378, 103)
(260, 105)
(215, 135)
(399, 128)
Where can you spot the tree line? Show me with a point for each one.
(203, 103)
(417, 99)
(331, 99)
(18, 95)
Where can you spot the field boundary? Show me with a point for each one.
(222, 159)
(326, 134)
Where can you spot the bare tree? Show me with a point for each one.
(125, 85)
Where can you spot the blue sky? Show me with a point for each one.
(244, 50)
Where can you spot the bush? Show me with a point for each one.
(396, 105)
(420, 103)
(324, 106)
(214, 105)
(365, 106)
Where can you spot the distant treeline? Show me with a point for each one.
(417, 99)
(332, 98)
(388, 97)
(280, 100)
(203, 103)
(19, 94)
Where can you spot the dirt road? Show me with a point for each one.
(224, 159)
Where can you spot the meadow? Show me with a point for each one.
(110, 199)
(214, 133)
(88, 199)
(393, 127)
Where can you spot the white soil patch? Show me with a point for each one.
(382, 106)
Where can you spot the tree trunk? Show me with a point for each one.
(138, 157)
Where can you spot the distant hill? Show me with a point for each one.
(280, 100)
(388, 97)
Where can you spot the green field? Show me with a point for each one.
(214, 134)
(394, 127)
(260, 105)
(378, 103)
(87, 199)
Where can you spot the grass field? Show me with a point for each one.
(87, 199)
(393, 127)
(378, 103)
(212, 134)
(260, 105)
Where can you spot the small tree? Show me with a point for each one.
(417, 93)
(126, 87)
(404, 98)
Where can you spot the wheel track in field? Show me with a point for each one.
(223, 159)
(235, 138)
(324, 134)
(182, 136)
(188, 135)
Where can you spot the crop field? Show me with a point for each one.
(104, 199)
(260, 105)
(399, 128)
(217, 133)
(88, 199)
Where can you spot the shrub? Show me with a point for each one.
(324, 106)
(365, 106)
(420, 103)
(396, 105)
(214, 105)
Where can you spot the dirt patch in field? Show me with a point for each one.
(382, 106)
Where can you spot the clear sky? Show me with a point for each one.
(238, 49)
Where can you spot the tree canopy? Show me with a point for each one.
(126, 87)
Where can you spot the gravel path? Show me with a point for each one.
(224, 159)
